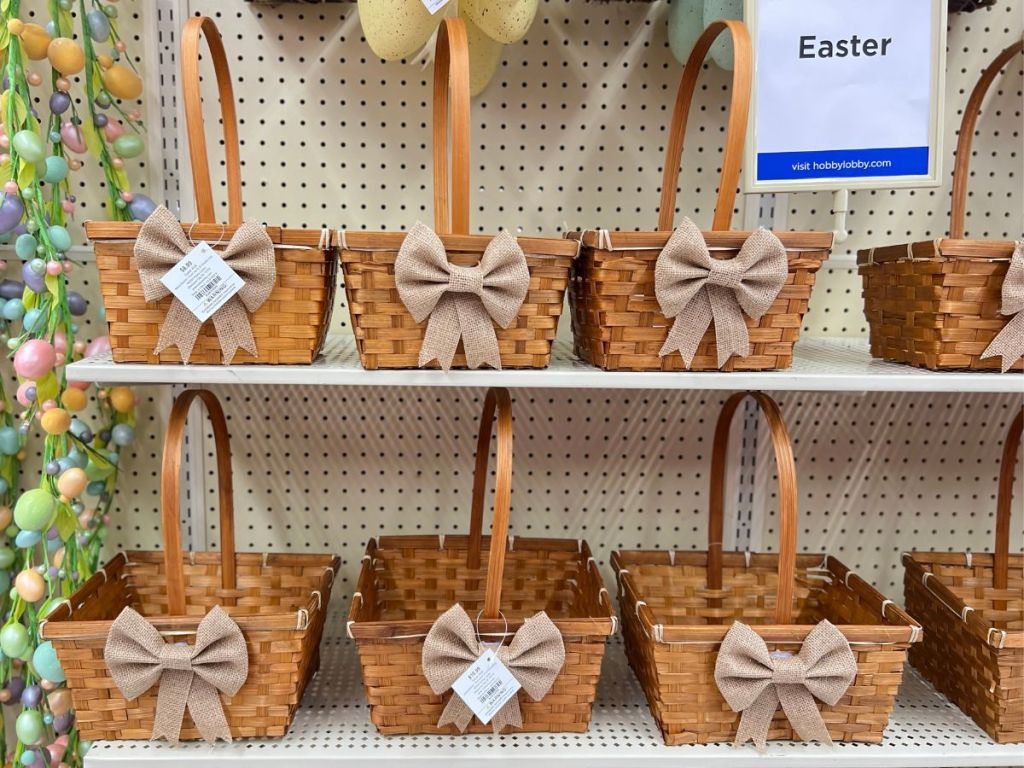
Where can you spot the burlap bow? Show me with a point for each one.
(461, 302)
(535, 657)
(754, 681)
(697, 289)
(250, 253)
(1009, 342)
(188, 675)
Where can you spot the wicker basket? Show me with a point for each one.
(290, 326)
(935, 304)
(617, 322)
(678, 606)
(278, 601)
(972, 608)
(407, 582)
(386, 334)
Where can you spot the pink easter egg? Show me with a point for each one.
(113, 129)
(72, 137)
(21, 396)
(98, 346)
(34, 359)
(54, 268)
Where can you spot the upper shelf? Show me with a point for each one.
(820, 364)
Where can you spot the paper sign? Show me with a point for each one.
(202, 281)
(847, 93)
(434, 5)
(486, 686)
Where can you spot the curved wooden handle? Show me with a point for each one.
(1004, 503)
(958, 209)
(498, 400)
(194, 28)
(451, 70)
(170, 495)
(785, 469)
(735, 134)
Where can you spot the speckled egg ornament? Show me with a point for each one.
(721, 49)
(396, 29)
(484, 56)
(685, 24)
(506, 21)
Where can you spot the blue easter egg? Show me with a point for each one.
(46, 663)
(721, 49)
(26, 539)
(56, 169)
(10, 441)
(141, 207)
(25, 246)
(14, 309)
(122, 435)
(99, 25)
(59, 237)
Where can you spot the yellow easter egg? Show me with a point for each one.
(30, 585)
(122, 399)
(506, 21)
(396, 29)
(74, 399)
(105, 61)
(72, 482)
(484, 57)
(56, 421)
(122, 82)
(66, 56)
(15, 27)
(6, 516)
(34, 41)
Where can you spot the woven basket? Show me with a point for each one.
(290, 326)
(386, 334)
(935, 304)
(678, 606)
(278, 601)
(617, 322)
(972, 609)
(407, 582)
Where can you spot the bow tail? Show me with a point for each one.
(688, 329)
(456, 713)
(442, 336)
(207, 711)
(180, 329)
(802, 712)
(731, 334)
(756, 719)
(478, 336)
(172, 696)
(1008, 343)
(233, 329)
(509, 715)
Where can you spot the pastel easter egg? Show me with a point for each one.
(74, 400)
(129, 145)
(35, 41)
(56, 169)
(99, 25)
(25, 246)
(34, 359)
(14, 309)
(98, 470)
(77, 305)
(122, 435)
(685, 24)
(59, 701)
(98, 346)
(72, 483)
(122, 82)
(29, 726)
(29, 146)
(59, 102)
(33, 279)
(721, 49)
(30, 585)
(113, 129)
(506, 21)
(73, 138)
(14, 640)
(11, 289)
(122, 399)
(484, 57)
(396, 29)
(141, 207)
(59, 237)
(6, 557)
(66, 56)
(47, 664)
(34, 510)
(55, 421)
(26, 539)
(10, 441)
(11, 212)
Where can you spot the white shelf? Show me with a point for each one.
(332, 728)
(822, 364)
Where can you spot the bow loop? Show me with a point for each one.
(1009, 342)
(188, 676)
(250, 253)
(462, 303)
(697, 289)
(534, 658)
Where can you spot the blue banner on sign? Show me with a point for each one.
(842, 163)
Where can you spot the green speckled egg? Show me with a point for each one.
(685, 23)
(396, 29)
(484, 56)
(506, 21)
(721, 49)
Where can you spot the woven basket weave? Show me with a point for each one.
(291, 325)
(386, 334)
(407, 582)
(278, 601)
(617, 322)
(678, 606)
(935, 304)
(972, 609)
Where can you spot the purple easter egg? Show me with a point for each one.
(11, 289)
(59, 102)
(11, 211)
(141, 207)
(62, 723)
(77, 304)
(16, 687)
(36, 282)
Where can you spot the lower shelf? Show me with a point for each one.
(332, 728)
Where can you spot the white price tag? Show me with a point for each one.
(202, 281)
(434, 5)
(486, 686)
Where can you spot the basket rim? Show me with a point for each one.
(109, 231)
(941, 249)
(62, 623)
(602, 240)
(906, 631)
(360, 241)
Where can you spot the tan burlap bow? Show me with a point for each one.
(188, 675)
(697, 289)
(754, 681)
(250, 253)
(461, 302)
(534, 657)
(1009, 342)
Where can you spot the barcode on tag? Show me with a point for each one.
(486, 686)
(202, 281)
(434, 5)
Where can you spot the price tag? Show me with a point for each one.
(434, 5)
(486, 686)
(202, 281)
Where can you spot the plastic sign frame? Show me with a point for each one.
(931, 178)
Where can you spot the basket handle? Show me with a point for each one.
(451, 71)
(170, 494)
(1004, 503)
(497, 400)
(200, 161)
(785, 469)
(735, 134)
(958, 209)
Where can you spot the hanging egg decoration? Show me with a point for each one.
(35, 41)
(66, 56)
(685, 24)
(34, 510)
(505, 22)
(122, 82)
(721, 50)
(30, 585)
(73, 138)
(98, 24)
(484, 57)
(46, 663)
(396, 29)
(128, 145)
